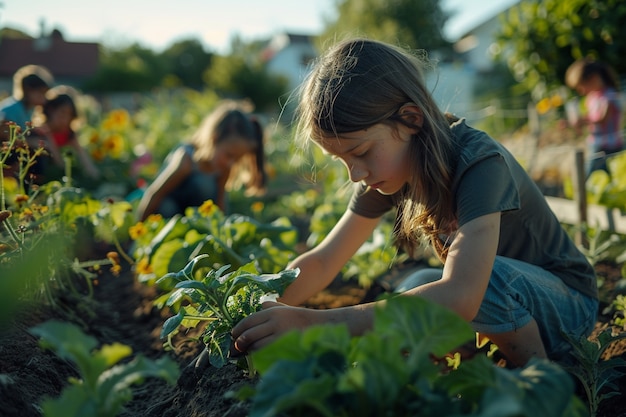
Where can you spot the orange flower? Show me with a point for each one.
(21, 198)
(114, 257)
(257, 206)
(97, 154)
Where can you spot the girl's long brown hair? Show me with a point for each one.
(231, 120)
(359, 83)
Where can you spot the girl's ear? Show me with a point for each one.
(412, 114)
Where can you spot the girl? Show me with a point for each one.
(509, 267)
(60, 115)
(227, 142)
(598, 84)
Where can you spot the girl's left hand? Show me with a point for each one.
(265, 326)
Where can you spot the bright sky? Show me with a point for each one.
(156, 24)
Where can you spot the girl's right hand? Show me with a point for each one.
(265, 326)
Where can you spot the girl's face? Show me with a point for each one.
(60, 118)
(228, 152)
(377, 156)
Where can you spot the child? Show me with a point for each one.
(30, 84)
(60, 113)
(509, 267)
(228, 141)
(597, 83)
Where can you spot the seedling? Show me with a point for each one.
(596, 375)
(104, 384)
(221, 298)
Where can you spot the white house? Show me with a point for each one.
(290, 55)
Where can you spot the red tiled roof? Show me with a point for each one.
(63, 59)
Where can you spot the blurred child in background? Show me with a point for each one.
(60, 115)
(30, 84)
(597, 83)
(225, 152)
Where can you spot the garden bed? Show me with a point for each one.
(122, 312)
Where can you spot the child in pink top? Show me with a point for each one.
(597, 83)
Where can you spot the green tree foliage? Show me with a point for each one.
(133, 69)
(415, 24)
(186, 61)
(539, 39)
(238, 77)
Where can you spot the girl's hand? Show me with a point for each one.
(265, 326)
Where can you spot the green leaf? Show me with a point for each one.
(172, 323)
(420, 323)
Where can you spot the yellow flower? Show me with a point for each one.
(556, 101)
(207, 208)
(10, 184)
(257, 206)
(97, 154)
(154, 218)
(144, 267)
(27, 214)
(113, 145)
(116, 120)
(39, 208)
(138, 230)
(94, 138)
(116, 269)
(543, 106)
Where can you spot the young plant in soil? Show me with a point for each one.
(103, 386)
(597, 376)
(223, 299)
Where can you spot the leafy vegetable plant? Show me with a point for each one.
(596, 375)
(221, 298)
(161, 247)
(104, 384)
(389, 371)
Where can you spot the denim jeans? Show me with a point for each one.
(518, 292)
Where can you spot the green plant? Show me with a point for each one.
(390, 371)
(595, 374)
(618, 306)
(103, 386)
(166, 245)
(221, 298)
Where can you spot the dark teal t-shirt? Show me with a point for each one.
(488, 179)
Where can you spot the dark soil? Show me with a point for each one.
(122, 311)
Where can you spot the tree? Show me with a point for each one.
(410, 23)
(237, 77)
(132, 69)
(187, 61)
(539, 39)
